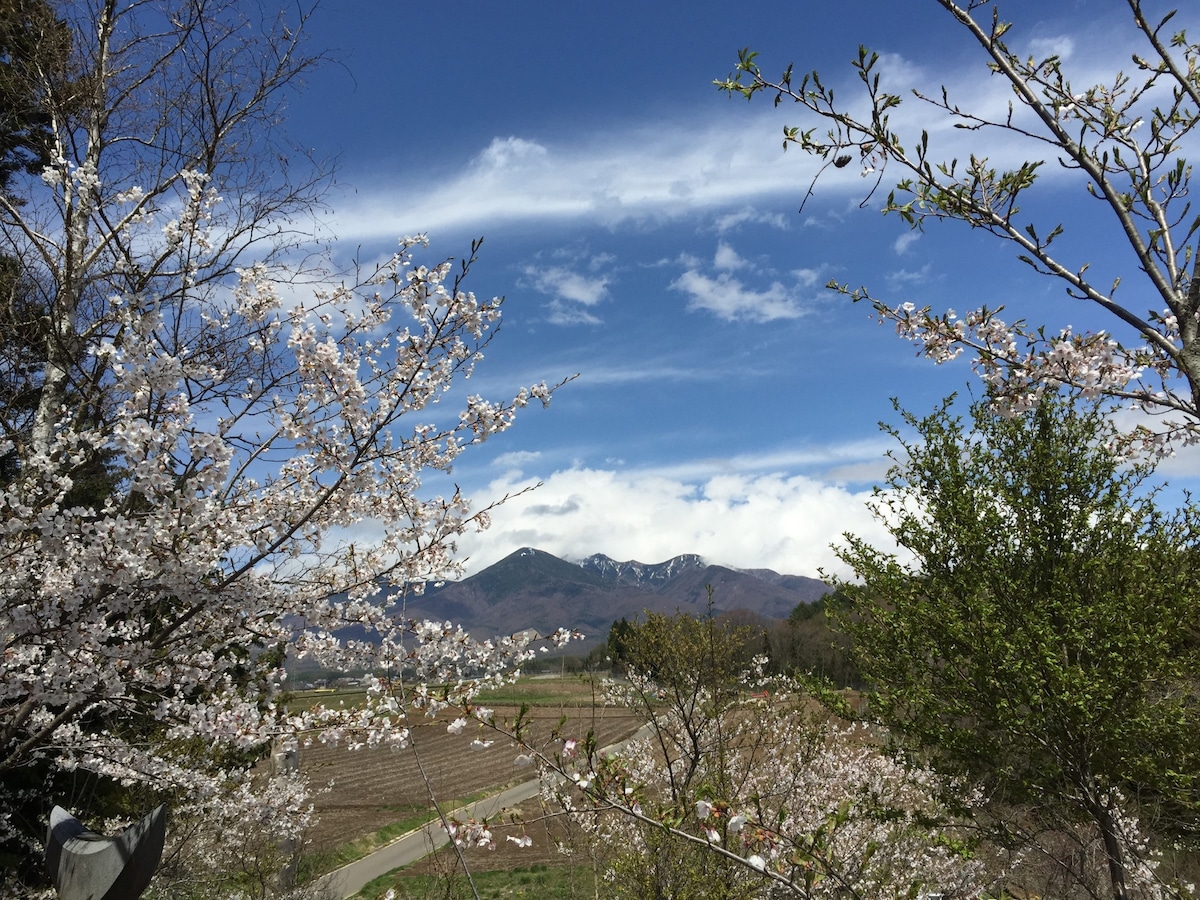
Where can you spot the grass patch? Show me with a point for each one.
(302, 701)
(541, 881)
(573, 691)
(569, 690)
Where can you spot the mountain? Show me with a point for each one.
(534, 589)
(686, 580)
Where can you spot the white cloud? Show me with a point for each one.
(832, 463)
(898, 73)
(685, 259)
(605, 178)
(567, 314)
(599, 261)
(905, 241)
(511, 153)
(873, 472)
(729, 164)
(727, 258)
(516, 459)
(1062, 46)
(601, 372)
(1182, 471)
(749, 215)
(907, 277)
(809, 277)
(749, 520)
(575, 280)
(1182, 468)
(729, 299)
(564, 284)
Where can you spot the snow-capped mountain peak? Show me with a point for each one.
(642, 574)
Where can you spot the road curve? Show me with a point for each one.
(353, 877)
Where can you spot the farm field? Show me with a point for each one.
(560, 863)
(545, 882)
(556, 866)
(371, 789)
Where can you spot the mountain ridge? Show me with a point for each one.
(531, 588)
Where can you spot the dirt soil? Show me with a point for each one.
(371, 788)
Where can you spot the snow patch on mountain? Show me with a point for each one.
(642, 574)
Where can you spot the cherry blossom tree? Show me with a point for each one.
(729, 796)
(264, 439)
(1123, 141)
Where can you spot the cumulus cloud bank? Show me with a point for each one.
(783, 522)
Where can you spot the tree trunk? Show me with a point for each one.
(1113, 846)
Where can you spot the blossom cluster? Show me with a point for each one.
(1020, 365)
(792, 803)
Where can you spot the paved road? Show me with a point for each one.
(350, 879)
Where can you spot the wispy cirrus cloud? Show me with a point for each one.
(907, 277)
(645, 172)
(720, 161)
(516, 459)
(560, 313)
(748, 215)
(906, 240)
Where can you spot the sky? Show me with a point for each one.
(644, 230)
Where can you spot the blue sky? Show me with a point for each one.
(644, 230)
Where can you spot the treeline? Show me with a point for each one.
(805, 643)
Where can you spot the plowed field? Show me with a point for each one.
(374, 788)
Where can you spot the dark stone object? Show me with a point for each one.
(87, 866)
